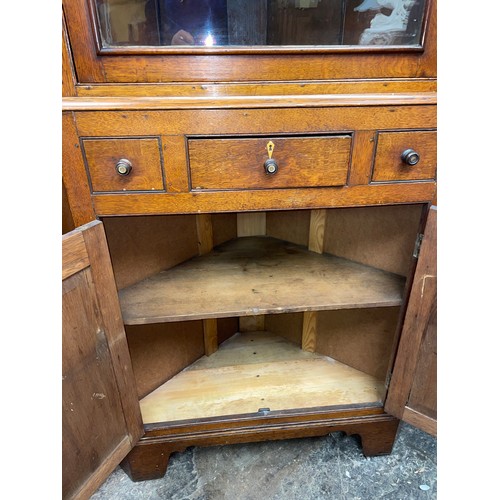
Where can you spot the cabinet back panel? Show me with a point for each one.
(161, 350)
(288, 326)
(290, 226)
(143, 246)
(382, 237)
(361, 338)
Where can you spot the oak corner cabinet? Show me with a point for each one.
(249, 219)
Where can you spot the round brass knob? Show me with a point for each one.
(270, 166)
(123, 167)
(410, 157)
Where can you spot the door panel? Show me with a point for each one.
(100, 413)
(412, 394)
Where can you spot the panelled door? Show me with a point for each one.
(412, 393)
(101, 419)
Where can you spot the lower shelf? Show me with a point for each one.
(258, 370)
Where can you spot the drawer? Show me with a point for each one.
(141, 171)
(238, 163)
(389, 164)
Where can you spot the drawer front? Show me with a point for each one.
(238, 163)
(390, 165)
(141, 170)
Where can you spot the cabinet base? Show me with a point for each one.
(149, 458)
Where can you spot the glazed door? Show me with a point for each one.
(412, 394)
(101, 419)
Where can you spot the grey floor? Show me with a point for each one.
(330, 467)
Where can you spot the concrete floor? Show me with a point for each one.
(331, 467)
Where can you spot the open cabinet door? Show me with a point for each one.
(412, 394)
(101, 419)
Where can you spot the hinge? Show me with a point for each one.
(418, 244)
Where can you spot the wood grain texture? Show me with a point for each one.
(100, 416)
(317, 230)
(268, 199)
(419, 319)
(257, 275)
(109, 306)
(326, 87)
(68, 71)
(176, 171)
(239, 163)
(388, 165)
(423, 396)
(363, 148)
(258, 370)
(294, 118)
(102, 155)
(74, 173)
(140, 102)
(205, 234)
(309, 332)
(74, 257)
(251, 224)
(210, 335)
(67, 219)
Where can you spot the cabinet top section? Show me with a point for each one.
(234, 41)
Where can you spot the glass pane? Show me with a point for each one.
(237, 23)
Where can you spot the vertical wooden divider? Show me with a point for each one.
(205, 245)
(251, 224)
(316, 240)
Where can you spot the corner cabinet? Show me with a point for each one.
(253, 204)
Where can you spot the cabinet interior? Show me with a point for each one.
(238, 313)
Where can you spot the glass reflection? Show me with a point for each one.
(213, 23)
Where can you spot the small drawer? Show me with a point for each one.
(239, 163)
(124, 164)
(390, 163)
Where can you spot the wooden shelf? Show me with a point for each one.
(258, 370)
(257, 275)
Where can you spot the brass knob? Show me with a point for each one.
(123, 167)
(410, 157)
(270, 166)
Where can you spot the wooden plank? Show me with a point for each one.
(420, 420)
(258, 370)
(74, 173)
(251, 224)
(210, 335)
(309, 331)
(292, 118)
(205, 233)
(263, 199)
(363, 146)
(322, 87)
(74, 256)
(257, 275)
(317, 230)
